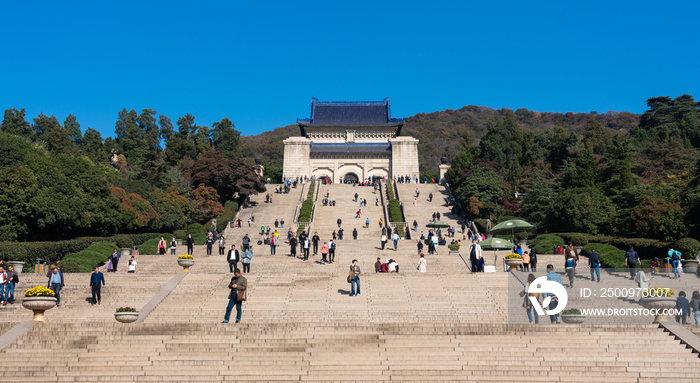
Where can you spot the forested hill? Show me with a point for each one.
(440, 132)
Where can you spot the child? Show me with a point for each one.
(654, 264)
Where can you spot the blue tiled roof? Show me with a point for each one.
(350, 113)
(351, 148)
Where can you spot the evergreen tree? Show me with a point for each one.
(91, 145)
(73, 128)
(503, 144)
(585, 170)
(225, 138)
(14, 123)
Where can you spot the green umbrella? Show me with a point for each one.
(496, 244)
(438, 224)
(512, 226)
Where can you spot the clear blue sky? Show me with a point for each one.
(260, 62)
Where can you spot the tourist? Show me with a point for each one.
(431, 247)
(396, 239)
(594, 264)
(695, 306)
(417, 193)
(631, 259)
(12, 281)
(247, 257)
(277, 223)
(354, 233)
(356, 197)
(675, 256)
(293, 246)
(381, 223)
(570, 266)
(438, 215)
(415, 202)
(422, 264)
(3, 285)
(262, 229)
(132, 267)
(341, 231)
(246, 242)
(367, 222)
(331, 252)
(683, 308)
(354, 278)
(430, 196)
(518, 250)
(210, 244)
(274, 241)
(173, 246)
(359, 213)
(526, 261)
(642, 279)
(56, 282)
(571, 252)
(222, 245)
(324, 253)
(161, 246)
(232, 258)
(238, 286)
(378, 266)
(316, 239)
(415, 225)
(114, 259)
(475, 255)
(655, 265)
(533, 260)
(282, 223)
(95, 279)
(383, 241)
(376, 201)
(339, 222)
(190, 244)
(552, 276)
(365, 200)
(527, 304)
(307, 247)
(334, 235)
(392, 266)
(420, 246)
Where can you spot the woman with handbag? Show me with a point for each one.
(527, 304)
(161, 246)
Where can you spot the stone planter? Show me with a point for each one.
(17, 265)
(186, 264)
(660, 303)
(573, 318)
(39, 305)
(126, 317)
(179, 242)
(126, 252)
(454, 252)
(690, 266)
(514, 263)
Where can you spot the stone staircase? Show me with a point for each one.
(300, 324)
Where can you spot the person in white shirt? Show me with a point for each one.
(422, 264)
(642, 279)
(131, 267)
(393, 266)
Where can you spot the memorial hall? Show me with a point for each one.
(352, 140)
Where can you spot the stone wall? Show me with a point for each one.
(404, 156)
(296, 157)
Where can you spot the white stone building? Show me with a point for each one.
(350, 140)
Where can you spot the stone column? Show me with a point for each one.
(297, 162)
(404, 156)
(443, 169)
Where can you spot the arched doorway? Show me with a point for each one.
(350, 177)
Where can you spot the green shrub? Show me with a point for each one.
(301, 230)
(453, 247)
(96, 254)
(195, 228)
(545, 243)
(68, 266)
(401, 231)
(521, 236)
(180, 234)
(688, 247)
(395, 213)
(390, 191)
(610, 256)
(504, 218)
(310, 194)
(230, 209)
(646, 248)
(54, 251)
(579, 240)
(306, 210)
(199, 238)
(150, 247)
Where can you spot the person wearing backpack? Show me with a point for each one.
(114, 258)
(12, 281)
(594, 264)
(631, 259)
(675, 256)
(354, 278)
(331, 251)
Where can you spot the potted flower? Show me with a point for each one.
(186, 261)
(658, 298)
(39, 299)
(572, 316)
(454, 248)
(689, 248)
(514, 260)
(126, 315)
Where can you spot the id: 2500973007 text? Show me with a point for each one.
(624, 292)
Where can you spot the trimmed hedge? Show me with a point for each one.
(180, 234)
(390, 191)
(401, 231)
(545, 243)
(611, 256)
(96, 254)
(308, 205)
(395, 214)
(301, 230)
(646, 248)
(688, 247)
(55, 251)
(69, 266)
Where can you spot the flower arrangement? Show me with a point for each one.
(39, 291)
(185, 256)
(572, 312)
(453, 246)
(658, 292)
(126, 310)
(513, 256)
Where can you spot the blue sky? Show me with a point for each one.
(259, 63)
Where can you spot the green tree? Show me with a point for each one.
(593, 136)
(14, 123)
(72, 127)
(225, 138)
(503, 144)
(91, 145)
(659, 219)
(583, 210)
(484, 184)
(586, 170)
(538, 196)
